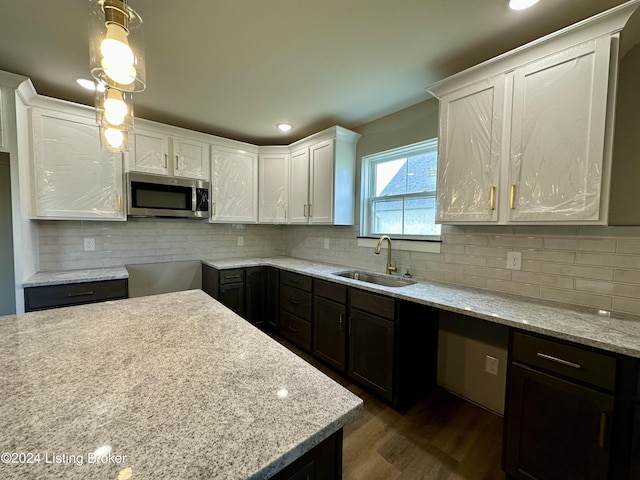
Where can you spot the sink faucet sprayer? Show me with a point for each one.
(390, 268)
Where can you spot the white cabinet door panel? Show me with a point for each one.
(299, 187)
(557, 136)
(321, 190)
(74, 177)
(469, 153)
(190, 158)
(150, 152)
(273, 188)
(234, 192)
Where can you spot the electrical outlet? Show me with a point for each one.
(240, 241)
(326, 244)
(491, 365)
(89, 244)
(514, 260)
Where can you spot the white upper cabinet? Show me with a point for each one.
(557, 135)
(322, 178)
(469, 152)
(234, 185)
(74, 178)
(164, 152)
(526, 138)
(273, 187)
(1, 122)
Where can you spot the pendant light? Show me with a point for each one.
(116, 49)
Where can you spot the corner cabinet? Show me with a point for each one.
(322, 178)
(66, 147)
(526, 138)
(273, 186)
(234, 185)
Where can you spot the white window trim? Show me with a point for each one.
(415, 243)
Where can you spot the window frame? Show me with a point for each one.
(368, 187)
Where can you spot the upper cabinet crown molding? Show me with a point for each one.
(526, 138)
(606, 23)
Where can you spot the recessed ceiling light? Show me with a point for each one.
(521, 4)
(284, 127)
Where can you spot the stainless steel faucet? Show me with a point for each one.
(390, 268)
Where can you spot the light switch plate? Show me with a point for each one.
(240, 241)
(326, 244)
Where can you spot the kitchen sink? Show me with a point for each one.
(376, 278)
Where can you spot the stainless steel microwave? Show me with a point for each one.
(160, 196)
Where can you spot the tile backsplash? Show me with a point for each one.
(597, 267)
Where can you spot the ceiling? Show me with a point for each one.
(236, 68)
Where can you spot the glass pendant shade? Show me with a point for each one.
(116, 45)
(114, 113)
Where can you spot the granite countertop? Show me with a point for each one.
(76, 276)
(615, 333)
(172, 385)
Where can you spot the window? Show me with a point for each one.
(399, 192)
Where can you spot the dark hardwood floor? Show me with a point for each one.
(443, 437)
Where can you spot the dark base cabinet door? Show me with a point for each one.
(555, 429)
(255, 302)
(635, 452)
(329, 337)
(272, 305)
(371, 351)
(231, 295)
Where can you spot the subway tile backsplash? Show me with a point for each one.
(596, 267)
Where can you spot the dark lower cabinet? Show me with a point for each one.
(272, 304)
(371, 351)
(255, 302)
(322, 462)
(69, 294)
(569, 412)
(635, 446)
(556, 429)
(330, 324)
(231, 295)
(295, 302)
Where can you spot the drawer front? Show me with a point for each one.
(296, 301)
(331, 291)
(295, 329)
(580, 364)
(295, 280)
(232, 275)
(53, 296)
(381, 306)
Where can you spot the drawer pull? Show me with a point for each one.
(231, 277)
(603, 428)
(291, 300)
(293, 329)
(560, 361)
(80, 294)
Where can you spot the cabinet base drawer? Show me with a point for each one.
(577, 363)
(296, 330)
(68, 294)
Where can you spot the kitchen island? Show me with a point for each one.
(164, 386)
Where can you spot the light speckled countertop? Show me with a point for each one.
(176, 384)
(619, 333)
(76, 276)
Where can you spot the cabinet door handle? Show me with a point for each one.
(560, 361)
(603, 429)
(310, 214)
(80, 294)
(512, 193)
(119, 203)
(492, 197)
(304, 210)
(213, 204)
(285, 212)
(350, 322)
(341, 323)
(177, 163)
(294, 302)
(166, 160)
